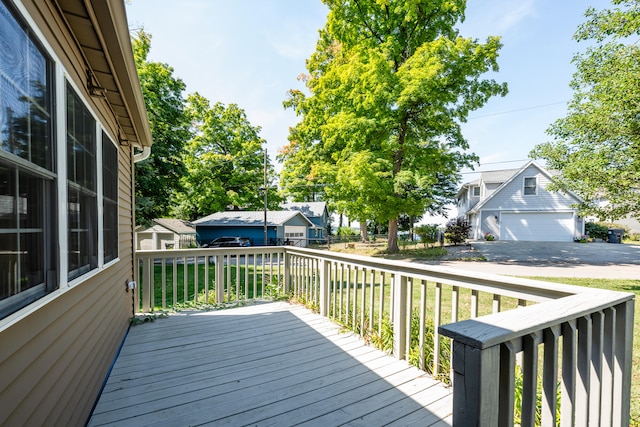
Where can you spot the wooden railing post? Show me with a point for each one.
(323, 266)
(623, 362)
(287, 273)
(146, 284)
(476, 378)
(219, 274)
(399, 316)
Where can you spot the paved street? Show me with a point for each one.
(553, 259)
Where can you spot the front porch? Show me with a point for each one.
(263, 364)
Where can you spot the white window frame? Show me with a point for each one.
(525, 186)
(473, 191)
(60, 78)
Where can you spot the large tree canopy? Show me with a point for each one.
(389, 84)
(158, 177)
(224, 162)
(597, 145)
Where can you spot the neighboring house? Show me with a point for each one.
(514, 204)
(166, 233)
(71, 113)
(283, 227)
(317, 213)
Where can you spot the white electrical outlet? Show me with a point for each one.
(131, 285)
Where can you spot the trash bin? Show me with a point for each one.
(614, 235)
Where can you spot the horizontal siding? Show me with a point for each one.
(511, 197)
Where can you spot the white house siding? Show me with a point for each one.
(490, 223)
(511, 199)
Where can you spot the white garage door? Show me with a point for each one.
(545, 227)
(296, 234)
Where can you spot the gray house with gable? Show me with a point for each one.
(514, 204)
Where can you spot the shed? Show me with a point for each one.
(166, 233)
(282, 227)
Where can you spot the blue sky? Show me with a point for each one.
(249, 52)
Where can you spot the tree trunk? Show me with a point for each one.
(392, 246)
(364, 236)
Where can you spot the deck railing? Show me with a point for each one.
(524, 351)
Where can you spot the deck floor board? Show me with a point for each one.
(264, 364)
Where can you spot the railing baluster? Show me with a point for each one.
(569, 362)
(163, 272)
(455, 303)
(206, 279)
(607, 365)
(496, 303)
(175, 280)
(363, 302)
(195, 279)
(334, 289)
(437, 321)
(400, 315)
(147, 267)
(382, 297)
(585, 344)
(507, 386)
(356, 277)
(474, 303)
(595, 374)
(372, 301)
(530, 378)
(185, 280)
(623, 361)
(409, 302)
(423, 320)
(550, 376)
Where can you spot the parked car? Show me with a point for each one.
(226, 242)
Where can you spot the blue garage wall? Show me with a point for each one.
(205, 234)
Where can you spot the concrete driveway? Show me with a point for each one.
(559, 253)
(554, 259)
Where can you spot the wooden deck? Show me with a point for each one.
(265, 364)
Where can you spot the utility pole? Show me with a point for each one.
(265, 197)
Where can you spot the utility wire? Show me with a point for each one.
(517, 110)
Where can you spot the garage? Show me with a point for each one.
(537, 226)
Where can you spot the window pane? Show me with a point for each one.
(28, 235)
(83, 236)
(110, 192)
(82, 207)
(25, 94)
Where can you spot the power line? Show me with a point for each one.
(518, 110)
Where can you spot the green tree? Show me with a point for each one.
(157, 179)
(389, 85)
(597, 145)
(224, 162)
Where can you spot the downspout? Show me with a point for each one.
(144, 155)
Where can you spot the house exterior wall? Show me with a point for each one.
(489, 224)
(206, 233)
(55, 352)
(512, 198)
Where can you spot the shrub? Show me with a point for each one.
(596, 230)
(457, 230)
(428, 233)
(599, 230)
